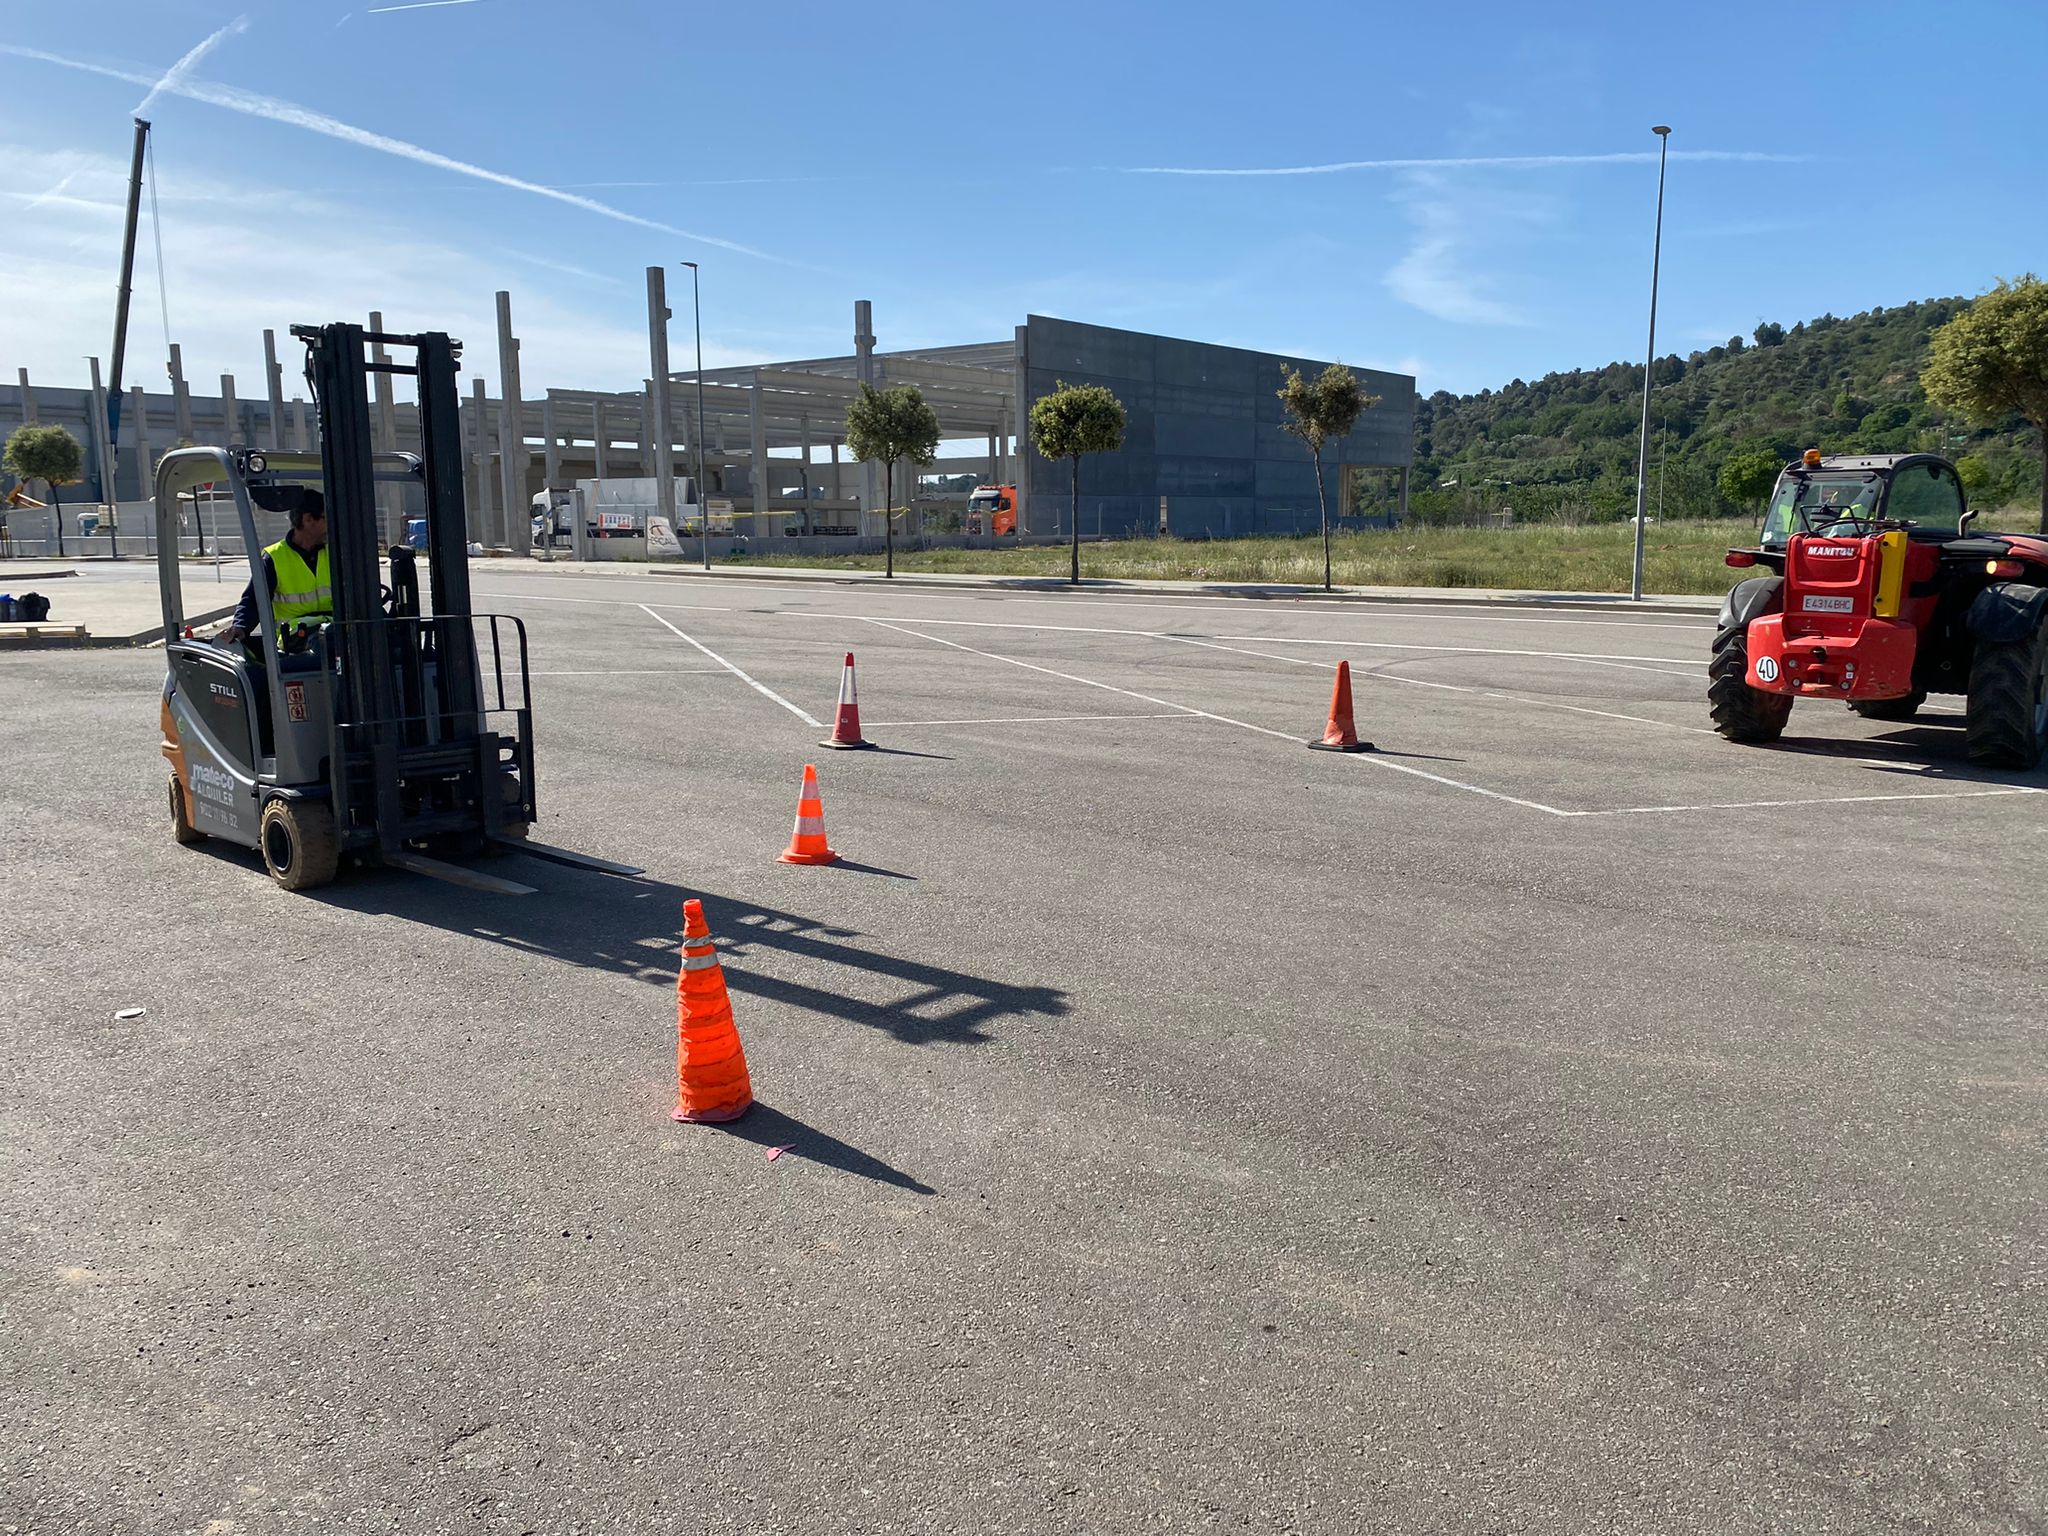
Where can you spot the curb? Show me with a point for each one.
(1702, 606)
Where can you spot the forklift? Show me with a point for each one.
(376, 733)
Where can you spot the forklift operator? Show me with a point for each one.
(295, 566)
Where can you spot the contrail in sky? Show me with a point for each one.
(176, 74)
(417, 5)
(1462, 162)
(293, 115)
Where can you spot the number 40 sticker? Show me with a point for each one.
(1767, 668)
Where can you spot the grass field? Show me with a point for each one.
(1678, 558)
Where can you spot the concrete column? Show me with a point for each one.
(273, 375)
(230, 412)
(803, 438)
(1404, 493)
(28, 399)
(480, 515)
(551, 458)
(105, 466)
(658, 383)
(644, 449)
(598, 432)
(138, 434)
(864, 350)
(181, 397)
(511, 431)
(758, 456)
(1024, 467)
(302, 426)
(837, 489)
(384, 435)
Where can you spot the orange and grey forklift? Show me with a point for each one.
(375, 732)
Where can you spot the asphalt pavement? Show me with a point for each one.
(1559, 1121)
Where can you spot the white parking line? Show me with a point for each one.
(1178, 714)
(1373, 760)
(1772, 805)
(627, 672)
(1420, 682)
(761, 688)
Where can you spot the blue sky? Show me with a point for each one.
(962, 172)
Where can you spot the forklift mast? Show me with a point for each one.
(412, 749)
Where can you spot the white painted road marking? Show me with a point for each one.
(1178, 714)
(1371, 759)
(761, 688)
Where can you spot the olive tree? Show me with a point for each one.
(1991, 362)
(885, 425)
(1076, 419)
(1319, 413)
(49, 454)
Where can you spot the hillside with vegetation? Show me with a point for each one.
(1563, 448)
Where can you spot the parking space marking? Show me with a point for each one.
(1178, 714)
(1772, 805)
(626, 672)
(1595, 657)
(759, 687)
(1370, 759)
(1420, 682)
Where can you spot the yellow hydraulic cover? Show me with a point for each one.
(1891, 573)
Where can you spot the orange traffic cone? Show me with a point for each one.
(846, 724)
(711, 1065)
(1340, 735)
(807, 843)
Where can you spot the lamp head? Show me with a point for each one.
(1662, 131)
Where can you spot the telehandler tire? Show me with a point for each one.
(1903, 708)
(2006, 721)
(300, 847)
(1740, 712)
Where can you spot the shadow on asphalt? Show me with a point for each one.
(1926, 751)
(634, 928)
(766, 1126)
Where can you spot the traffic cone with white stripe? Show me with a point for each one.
(1341, 734)
(807, 843)
(711, 1066)
(846, 723)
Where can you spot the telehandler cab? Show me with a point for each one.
(376, 730)
(1879, 594)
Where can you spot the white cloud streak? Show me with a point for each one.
(1465, 162)
(180, 71)
(291, 114)
(417, 5)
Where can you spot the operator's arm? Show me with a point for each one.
(247, 619)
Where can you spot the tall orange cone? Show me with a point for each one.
(1341, 735)
(711, 1065)
(807, 843)
(846, 723)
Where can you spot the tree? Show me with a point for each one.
(1974, 473)
(49, 454)
(1076, 419)
(886, 425)
(1329, 408)
(1770, 334)
(1991, 362)
(1748, 477)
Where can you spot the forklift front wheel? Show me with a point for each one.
(300, 847)
(182, 829)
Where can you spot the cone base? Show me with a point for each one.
(849, 746)
(791, 856)
(1344, 746)
(710, 1116)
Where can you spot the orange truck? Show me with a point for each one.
(997, 504)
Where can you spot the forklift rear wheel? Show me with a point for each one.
(300, 847)
(1905, 708)
(182, 829)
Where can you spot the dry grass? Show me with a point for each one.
(1678, 558)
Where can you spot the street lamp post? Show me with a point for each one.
(1649, 361)
(703, 497)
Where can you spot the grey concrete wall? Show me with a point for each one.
(1205, 432)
